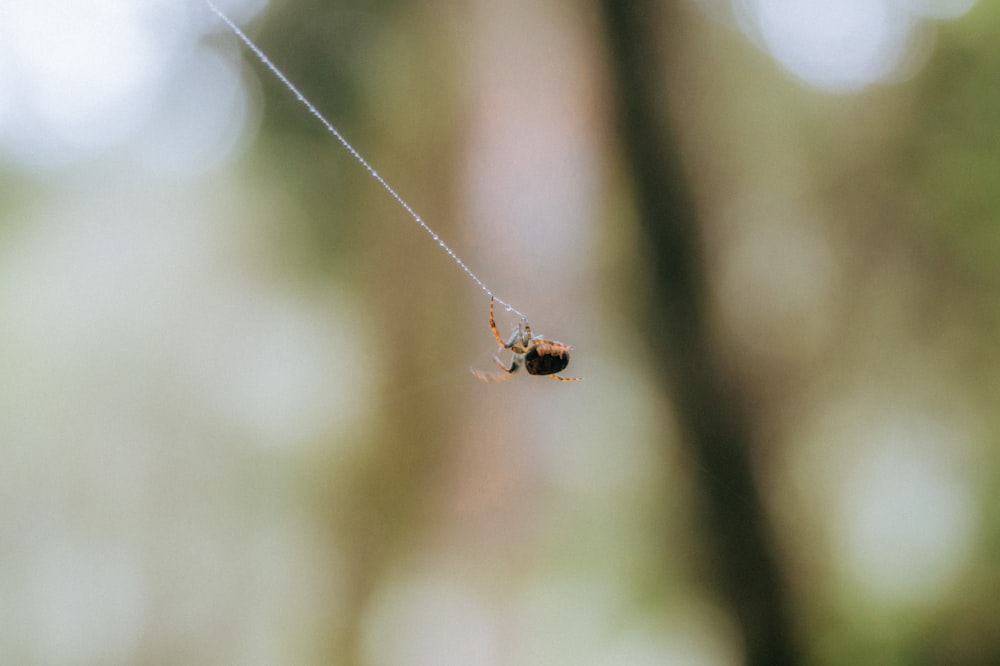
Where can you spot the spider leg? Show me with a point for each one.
(513, 344)
(551, 342)
(510, 370)
(566, 379)
(517, 338)
(495, 377)
(489, 377)
(493, 326)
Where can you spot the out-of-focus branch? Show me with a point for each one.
(711, 403)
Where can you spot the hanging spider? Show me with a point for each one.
(539, 356)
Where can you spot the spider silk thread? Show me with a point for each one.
(357, 156)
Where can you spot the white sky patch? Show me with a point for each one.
(839, 45)
(907, 518)
(845, 45)
(203, 113)
(77, 78)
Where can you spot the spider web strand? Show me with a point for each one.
(357, 156)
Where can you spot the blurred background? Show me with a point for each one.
(237, 421)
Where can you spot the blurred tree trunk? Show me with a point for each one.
(711, 404)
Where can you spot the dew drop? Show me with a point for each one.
(510, 309)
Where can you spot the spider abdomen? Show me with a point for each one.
(546, 358)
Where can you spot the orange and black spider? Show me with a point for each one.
(537, 355)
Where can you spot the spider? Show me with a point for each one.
(539, 356)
